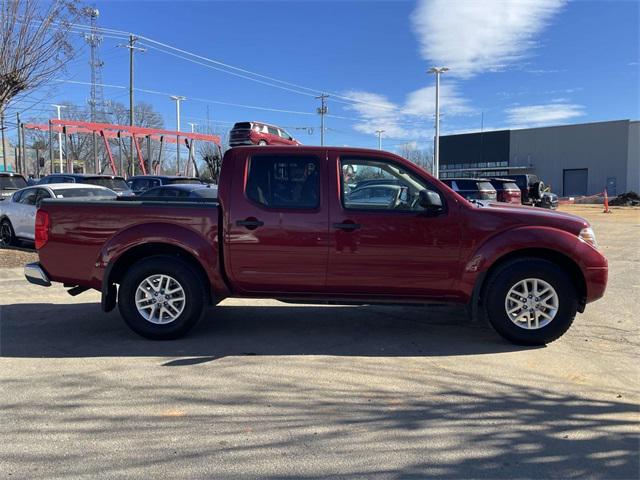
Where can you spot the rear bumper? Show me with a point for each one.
(34, 273)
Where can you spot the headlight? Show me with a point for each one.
(588, 236)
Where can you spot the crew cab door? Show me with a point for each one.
(382, 242)
(277, 223)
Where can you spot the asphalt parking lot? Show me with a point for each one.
(265, 390)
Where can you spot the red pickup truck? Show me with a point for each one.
(318, 224)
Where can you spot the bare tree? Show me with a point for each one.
(421, 157)
(34, 43)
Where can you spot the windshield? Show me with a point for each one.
(112, 183)
(83, 192)
(12, 183)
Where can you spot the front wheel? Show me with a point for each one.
(530, 301)
(161, 298)
(262, 142)
(7, 235)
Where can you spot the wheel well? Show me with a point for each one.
(151, 250)
(559, 259)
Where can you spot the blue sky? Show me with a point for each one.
(515, 64)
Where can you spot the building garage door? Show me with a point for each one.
(574, 182)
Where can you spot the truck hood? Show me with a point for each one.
(515, 215)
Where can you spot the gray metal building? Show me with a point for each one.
(575, 160)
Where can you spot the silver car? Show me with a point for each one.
(18, 212)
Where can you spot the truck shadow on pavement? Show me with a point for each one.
(83, 330)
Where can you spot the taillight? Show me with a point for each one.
(42, 229)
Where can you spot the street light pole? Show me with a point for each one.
(379, 133)
(191, 153)
(178, 99)
(436, 146)
(58, 107)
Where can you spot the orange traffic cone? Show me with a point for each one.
(606, 202)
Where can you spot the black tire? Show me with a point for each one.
(188, 279)
(7, 234)
(508, 275)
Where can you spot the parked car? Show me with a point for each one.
(375, 196)
(258, 133)
(9, 183)
(182, 191)
(473, 188)
(283, 228)
(113, 182)
(18, 212)
(548, 200)
(507, 190)
(142, 183)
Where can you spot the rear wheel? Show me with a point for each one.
(262, 142)
(531, 301)
(7, 235)
(161, 298)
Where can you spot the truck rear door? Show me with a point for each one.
(277, 222)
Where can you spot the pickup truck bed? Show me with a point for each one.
(323, 224)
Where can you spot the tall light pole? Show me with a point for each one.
(58, 107)
(322, 110)
(191, 153)
(178, 99)
(436, 146)
(379, 133)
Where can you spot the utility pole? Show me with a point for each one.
(58, 107)
(19, 158)
(436, 146)
(322, 110)
(132, 48)
(379, 133)
(178, 99)
(4, 150)
(191, 153)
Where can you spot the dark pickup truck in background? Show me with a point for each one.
(288, 224)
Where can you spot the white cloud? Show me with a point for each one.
(413, 118)
(540, 115)
(473, 36)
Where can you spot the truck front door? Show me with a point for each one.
(384, 244)
(277, 224)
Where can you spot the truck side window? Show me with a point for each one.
(284, 181)
(373, 184)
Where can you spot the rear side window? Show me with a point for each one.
(272, 131)
(144, 183)
(485, 186)
(284, 181)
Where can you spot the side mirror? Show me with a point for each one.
(430, 201)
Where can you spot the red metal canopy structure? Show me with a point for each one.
(109, 131)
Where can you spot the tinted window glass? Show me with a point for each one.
(29, 197)
(112, 183)
(82, 192)
(284, 182)
(380, 185)
(210, 192)
(12, 183)
(242, 125)
(272, 131)
(144, 183)
(485, 186)
(189, 181)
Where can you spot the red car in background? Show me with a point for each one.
(507, 190)
(258, 133)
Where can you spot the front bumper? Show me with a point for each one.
(34, 273)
